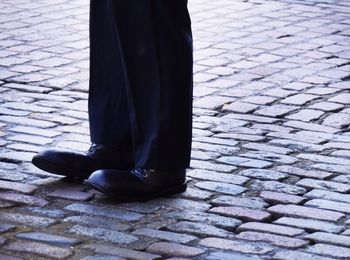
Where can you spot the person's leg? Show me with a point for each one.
(108, 107)
(156, 43)
(157, 46)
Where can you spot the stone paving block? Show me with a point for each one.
(213, 140)
(220, 187)
(332, 167)
(200, 229)
(27, 220)
(324, 159)
(322, 237)
(26, 121)
(39, 249)
(259, 100)
(270, 156)
(296, 139)
(103, 257)
(304, 173)
(239, 107)
(330, 250)
(244, 162)
(25, 199)
(212, 219)
(342, 178)
(35, 131)
(343, 98)
(276, 110)
(229, 256)
(98, 222)
(17, 157)
(326, 106)
(263, 174)
(339, 120)
(182, 204)
(174, 249)
(7, 257)
(341, 153)
(277, 187)
(297, 146)
(238, 136)
(252, 202)
(297, 255)
(310, 224)
(277, 240)
(6, 204)
(270, 228)
(6, 228)
(103, 211)
(216, 176)
(301, 211)
(212, 166)
(237, 246)
(252, 118)
(195, 194)
(324, 185)
(243, 213)
(71, 195)
(50, 213)
(122, 252)
(218, 148)
(276, 197)
(267, 148)
(299, 99)
(212, 102)
(21, 187)
(103, 234)
(164, 235)
(29, 88)
(51, 239)
(10, 112)
(328, 204)
(306, 115)
(311, 126)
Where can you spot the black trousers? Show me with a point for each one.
(140, 96)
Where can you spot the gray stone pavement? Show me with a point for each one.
(270, 176)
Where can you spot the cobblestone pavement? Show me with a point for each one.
(270, 176)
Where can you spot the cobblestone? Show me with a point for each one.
(173, 249)
(330, 250)
(49, 239)
(104, 234)
(270, 159)
(270, 228)
(39, 249)
(310, 224)
(237, 246)
(296, 255)
(301, 211)
(277, 197)
(165, 235)
(277, 240)
(244, 213)
(122, 252)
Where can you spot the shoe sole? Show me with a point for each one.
(50, 167)
(163, 193)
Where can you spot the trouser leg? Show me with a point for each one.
(108, 107)
(152, 38)
(157, 46)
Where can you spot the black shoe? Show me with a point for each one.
(81, 165)
(138, 184)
